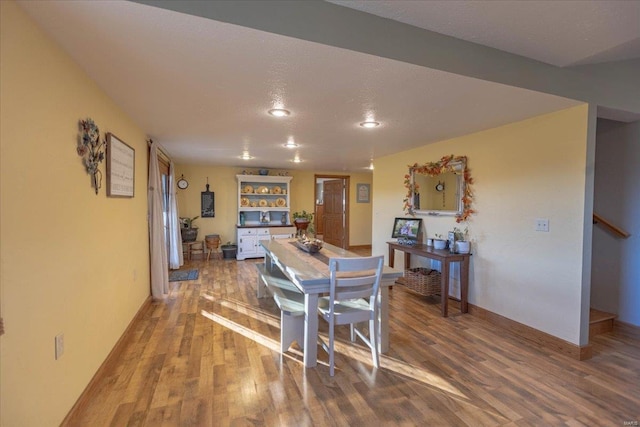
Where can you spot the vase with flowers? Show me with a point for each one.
(463, 246)
(302, 221)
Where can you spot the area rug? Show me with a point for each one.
(180, 275)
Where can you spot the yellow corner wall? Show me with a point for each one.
(531, 169)
(71, 261)
(222, 181)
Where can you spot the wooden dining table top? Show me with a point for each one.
(311, 271)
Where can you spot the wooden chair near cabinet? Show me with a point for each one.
(193, 248)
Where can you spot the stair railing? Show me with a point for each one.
(597, 219)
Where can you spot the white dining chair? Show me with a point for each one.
(353, 298)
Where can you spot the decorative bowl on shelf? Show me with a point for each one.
(263, 172)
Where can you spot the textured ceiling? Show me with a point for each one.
(560, 33)
(202, 88)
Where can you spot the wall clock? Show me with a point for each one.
(440, 186)
(182, 183)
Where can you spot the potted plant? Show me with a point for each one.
(229, 250)
(188, 231)
(302, 221)
(463, 245)
(439, 242)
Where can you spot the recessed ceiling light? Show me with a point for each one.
(290, 144)
(369, 124)
(279, 112)
(296, 159)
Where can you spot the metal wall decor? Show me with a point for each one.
(91, 149)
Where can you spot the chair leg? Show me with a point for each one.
(331, 355)
(373, 339)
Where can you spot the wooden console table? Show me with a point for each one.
(446, 258)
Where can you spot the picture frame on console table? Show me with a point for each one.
(407, 229)
(120, 167)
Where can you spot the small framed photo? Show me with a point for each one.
(120, 167)
(363, 191)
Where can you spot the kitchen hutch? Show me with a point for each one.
(263, 212)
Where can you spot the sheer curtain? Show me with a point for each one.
(157, 244)
(175, 238)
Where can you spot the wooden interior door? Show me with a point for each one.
(334, 213)
(319, 220)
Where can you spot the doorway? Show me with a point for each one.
(331, 219)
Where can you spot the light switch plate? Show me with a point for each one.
(542, 224)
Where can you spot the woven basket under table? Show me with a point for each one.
(422, 280)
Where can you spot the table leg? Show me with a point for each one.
(383, 317)
(464, 285)
(444, 288)
(392, 255)
(407, 260)
(310, 330)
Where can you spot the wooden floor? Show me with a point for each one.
(208, 356)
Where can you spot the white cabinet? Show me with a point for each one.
(263, 212)
(249, 239)
(249, 242)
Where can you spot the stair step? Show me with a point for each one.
(600, 322)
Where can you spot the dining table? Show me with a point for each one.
(309, 272)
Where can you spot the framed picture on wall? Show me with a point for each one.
(120, 167)
(207, 204)
(363, 193)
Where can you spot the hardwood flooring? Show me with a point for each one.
(208, 355)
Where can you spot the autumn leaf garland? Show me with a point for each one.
(434, 169)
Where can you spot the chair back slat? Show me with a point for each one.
(353, 278)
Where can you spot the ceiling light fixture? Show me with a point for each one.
(279, 112)
(246, 156)
(291, 144)
(296, 159)
(369, 124)
(371, 166)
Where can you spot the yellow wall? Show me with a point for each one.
(522, 171)
(222, 181)
(71, 261)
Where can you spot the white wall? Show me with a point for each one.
(615, 285)
(522, 171)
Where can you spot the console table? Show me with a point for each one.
(446, 258)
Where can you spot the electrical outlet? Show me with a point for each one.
(542, 224)
(59, 346)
